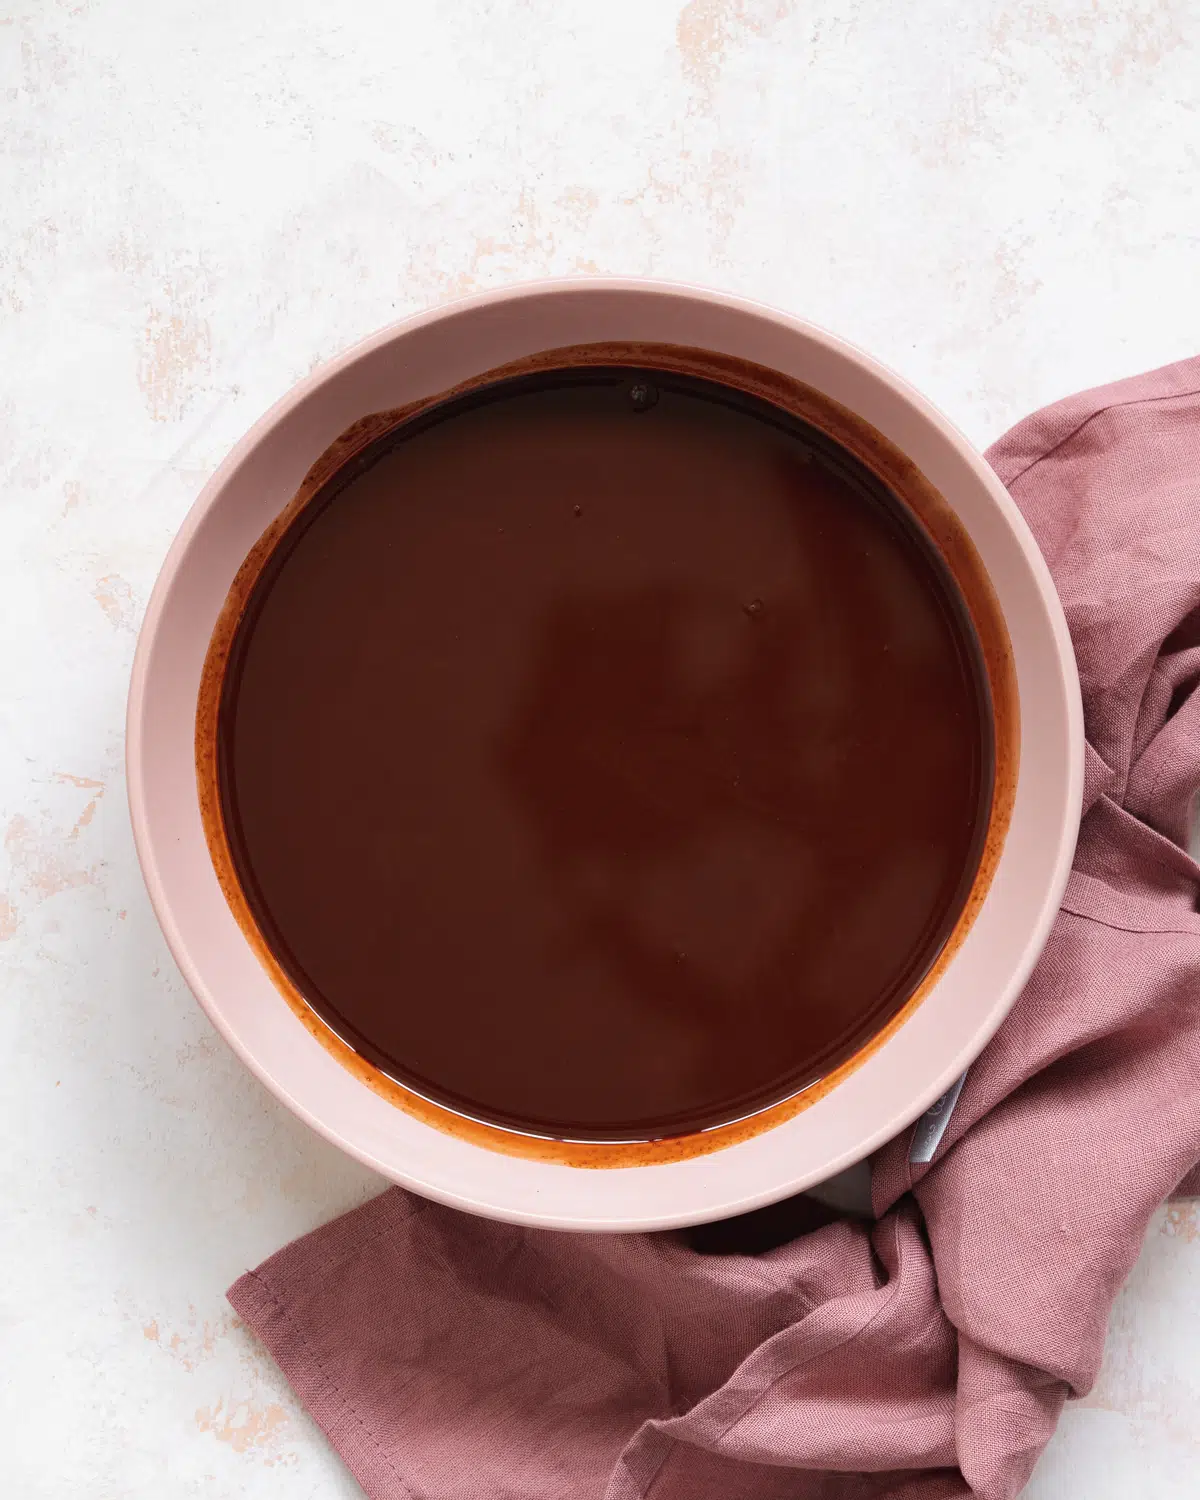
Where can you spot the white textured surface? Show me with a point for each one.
(200, 202)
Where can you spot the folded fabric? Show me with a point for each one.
(924, 1355)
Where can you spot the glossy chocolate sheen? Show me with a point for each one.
(605, 754)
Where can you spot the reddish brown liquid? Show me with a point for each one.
(605, 773)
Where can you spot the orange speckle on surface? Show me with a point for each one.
(194, 1343)
(176, 353)
(85, 817)
(8, 919)
(88, 783)
(115, 598)
(706, 28)
(699, 34)
(150, 1330)
(43, 867)
(1182, 1222)
(243, 1425)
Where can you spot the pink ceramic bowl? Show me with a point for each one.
(869, 1100)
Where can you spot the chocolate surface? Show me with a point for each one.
(605, 754)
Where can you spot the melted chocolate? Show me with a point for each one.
(605, 754)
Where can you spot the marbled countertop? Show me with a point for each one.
(198, 204)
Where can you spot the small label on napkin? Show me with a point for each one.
(932, 1124)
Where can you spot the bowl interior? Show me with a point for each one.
(888, 1088)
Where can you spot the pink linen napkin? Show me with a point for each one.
(927, 1354)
